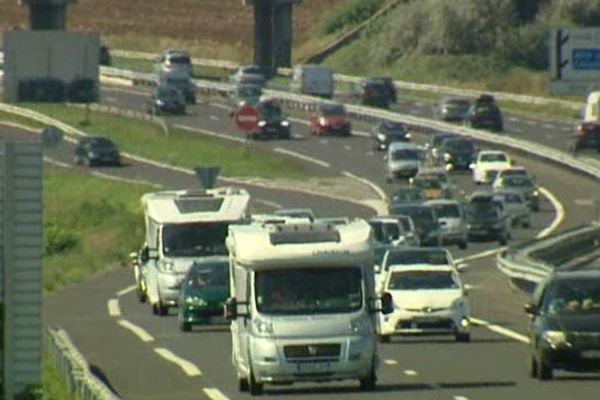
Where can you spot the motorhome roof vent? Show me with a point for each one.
(196, 204)
(304, 233)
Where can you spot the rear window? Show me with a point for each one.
(180, 60)
(332, 110)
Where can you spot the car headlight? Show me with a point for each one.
(322, 121)
(360, 326)
(408, 136)
(160, 103)
(447, 157)
(92, 154)
(168, 265)
(262, 123)
(555, 338)
(285, 123)
(194, 300)
(381, 137)
(536, 193)
(262, 326)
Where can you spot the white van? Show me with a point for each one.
(313, 80)
(303, 306)
(182, 227)
(592, 108)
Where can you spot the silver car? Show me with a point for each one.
(174, 61)
(516, 206)
(451, 217)
(403, 160)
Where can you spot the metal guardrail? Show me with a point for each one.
(74, 368)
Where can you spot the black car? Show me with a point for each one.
(452, 109)
(389, 84)
(436, 142)
(485, 114)
(457, 153)
(166, 99)
(565, 324)
(587, 136)
(486, 220)
(386, 132)
(425, 221)
(181, 82)
(105, 57)
(96, 150)
(374, 92)
(272, 121)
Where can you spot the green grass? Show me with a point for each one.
(54, 387)
(4, 116)
(180, 148)
(103, 216)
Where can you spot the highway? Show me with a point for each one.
(134, 350)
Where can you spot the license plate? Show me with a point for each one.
(590, 354)
(312, 367)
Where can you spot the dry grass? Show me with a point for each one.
(208, 28)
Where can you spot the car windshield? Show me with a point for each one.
(418, 256)
(457, 103)
(393, 128)
(306, 291)
(408, 195)
(385, 232)
(447, 210)
(102, 143)
(427, 183)
(423, 280)
(517, 181)
(207, 274)
(179, 82)
(438, 140)
(421, 216)
(573, 296)
(194, 239)
(332, 110)
(405, 154)
(493, 157)
(482, 211)
(167, 92)
(180, 60)
(459, 145)
(270, 110)
(251, 91)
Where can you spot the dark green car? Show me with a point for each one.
(203, 292)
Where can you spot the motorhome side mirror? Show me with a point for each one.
(144, 254)
(230, 309)
(377, 269)
(472, 166)
(133, 257)
(387, 304)
(530, 309)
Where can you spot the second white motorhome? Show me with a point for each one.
(303, 305)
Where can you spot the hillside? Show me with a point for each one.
(208, 28)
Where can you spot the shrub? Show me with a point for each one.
(351, 13)
(58, 239)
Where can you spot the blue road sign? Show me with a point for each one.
(586, 59)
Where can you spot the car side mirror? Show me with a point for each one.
(230, 309)
(530, 309)
(387, 304)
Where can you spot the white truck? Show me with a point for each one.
(303, 304)
(182, 227)
(313, 80)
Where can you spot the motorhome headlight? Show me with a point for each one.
(447, 157)
(555, 338)
(285, 122)
(262, 327)
(168, 265)
(160, 102)
(195, 301)
(360, 326)
(381, 136)
(322, 121)
(262, 123)
(536, 193)
(408, 136)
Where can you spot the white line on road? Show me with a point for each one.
(125, 291)
(361, 133)
(500, 330)
(549, 126)
(301, 157)
(299, 121)
(390, 362)
(211, 133)
(187, 367)
(558, 216)
(410, 372)
(347, 147)
(113, 308)
(136, 330)
(124, 180)
(483, 254)
(268, 203)
(57, 163)
(214, 394)
(513, 119)
(530, 122)
(214, 118)
(460, 398)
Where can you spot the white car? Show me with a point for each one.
(488, 164)
(428, 299)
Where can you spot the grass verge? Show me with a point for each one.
(179, 148)
(54, 388)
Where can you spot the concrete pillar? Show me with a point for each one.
(47, 14)
(282, 35)
(263, 52)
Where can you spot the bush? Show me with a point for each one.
(352, 13)
(58, 239)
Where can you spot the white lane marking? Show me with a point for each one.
(361, 133)
(113, 308)
(214, 394)
(323, 141)
(549, 126)
(268, 203)
(214, 118)
(347, 147)
(301, 157)
(299, 121)
(380, 192)
(548, 136)
(125, 291)
(518, 130)
(513, 119)
(500, 330)
(124, 180)
(370, 153)
(188, 368)
(460, 398)
(483, 254)
(558, 217)
(296, 136)
(219, 105)
(530, 122)
(57, 163)
(410, 372)
(126, 91)
(136, 330)
(390, 362)
(211, 133)
(584, 202)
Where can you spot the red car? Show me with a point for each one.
(330, 119)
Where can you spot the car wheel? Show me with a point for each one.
(161, 309)
(533, 367)
(369, 383)
(463, 245)
(185, 326)
(154, 309)
(463, 337)
(255, 388)
(243, 385)
(385, 338)
(141, 296)
(544, 371)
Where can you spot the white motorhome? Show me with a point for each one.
(591, 112)
(313, 80)
(182, 227)
(303, 305)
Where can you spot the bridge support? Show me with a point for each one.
(47, 14)
(273, 32)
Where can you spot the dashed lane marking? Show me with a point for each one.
(214, 118)
(268, 203)
(125, 291)
(513, 119)
(460, 398)
(347, 147)
(301, 157)
(584, 202)
(530, 122)
(211, 133)
(113, 308)
(410, 372)
(558, 216)
(57, 163)
(390, 362)
(500, 330)
(549, 126)
(188, 368)
(136, 330)
(214, 394)
(124, 180)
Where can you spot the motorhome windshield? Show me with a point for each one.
(314, 290)
(194, 239)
